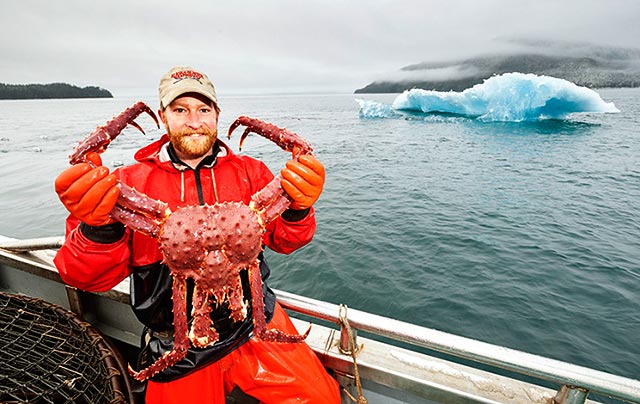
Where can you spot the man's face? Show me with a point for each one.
(192, 125)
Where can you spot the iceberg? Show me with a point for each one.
(510, 97)
(373, 109)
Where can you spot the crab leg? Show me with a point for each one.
(272, 200)
(136, 201)
(139, 212)
(181, 340)
(99, 139)
(288, 141)
(259, 320)
(202, 334)
(133, 208)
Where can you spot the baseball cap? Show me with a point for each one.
(181, 80)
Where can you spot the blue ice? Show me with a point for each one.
(510, 97)
(372, 109)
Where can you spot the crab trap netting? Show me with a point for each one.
(48, 355)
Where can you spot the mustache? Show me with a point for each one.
(204, 130)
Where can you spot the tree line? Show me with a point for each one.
(48, 91)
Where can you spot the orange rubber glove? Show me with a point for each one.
(89, 193)
(303, 181)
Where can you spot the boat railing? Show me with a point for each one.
(576, 382)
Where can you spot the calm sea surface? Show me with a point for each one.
(523, 235)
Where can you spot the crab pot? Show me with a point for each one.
(48, 355)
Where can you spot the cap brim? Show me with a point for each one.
(177, 92)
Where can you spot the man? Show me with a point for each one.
(190, 166)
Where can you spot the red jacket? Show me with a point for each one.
(98, 258)
(93, 266)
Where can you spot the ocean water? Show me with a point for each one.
(522, 234)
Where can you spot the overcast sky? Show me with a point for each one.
(281, 45)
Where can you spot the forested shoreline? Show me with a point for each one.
(49, 91)
(602, 68)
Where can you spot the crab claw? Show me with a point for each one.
(288, 141)
(99, 139)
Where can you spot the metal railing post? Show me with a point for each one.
(571, 395)
(345, 343)
(74, 297)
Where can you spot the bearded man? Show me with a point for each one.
(190, 166)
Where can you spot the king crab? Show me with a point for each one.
(210, 244)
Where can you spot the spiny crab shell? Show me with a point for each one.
(191, 234)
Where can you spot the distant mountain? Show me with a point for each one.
(54, 90)
(596, 68)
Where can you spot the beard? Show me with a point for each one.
(193, 148)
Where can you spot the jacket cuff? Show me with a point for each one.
(293, 215)
(106, 234)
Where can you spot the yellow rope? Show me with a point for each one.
(353, 350)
